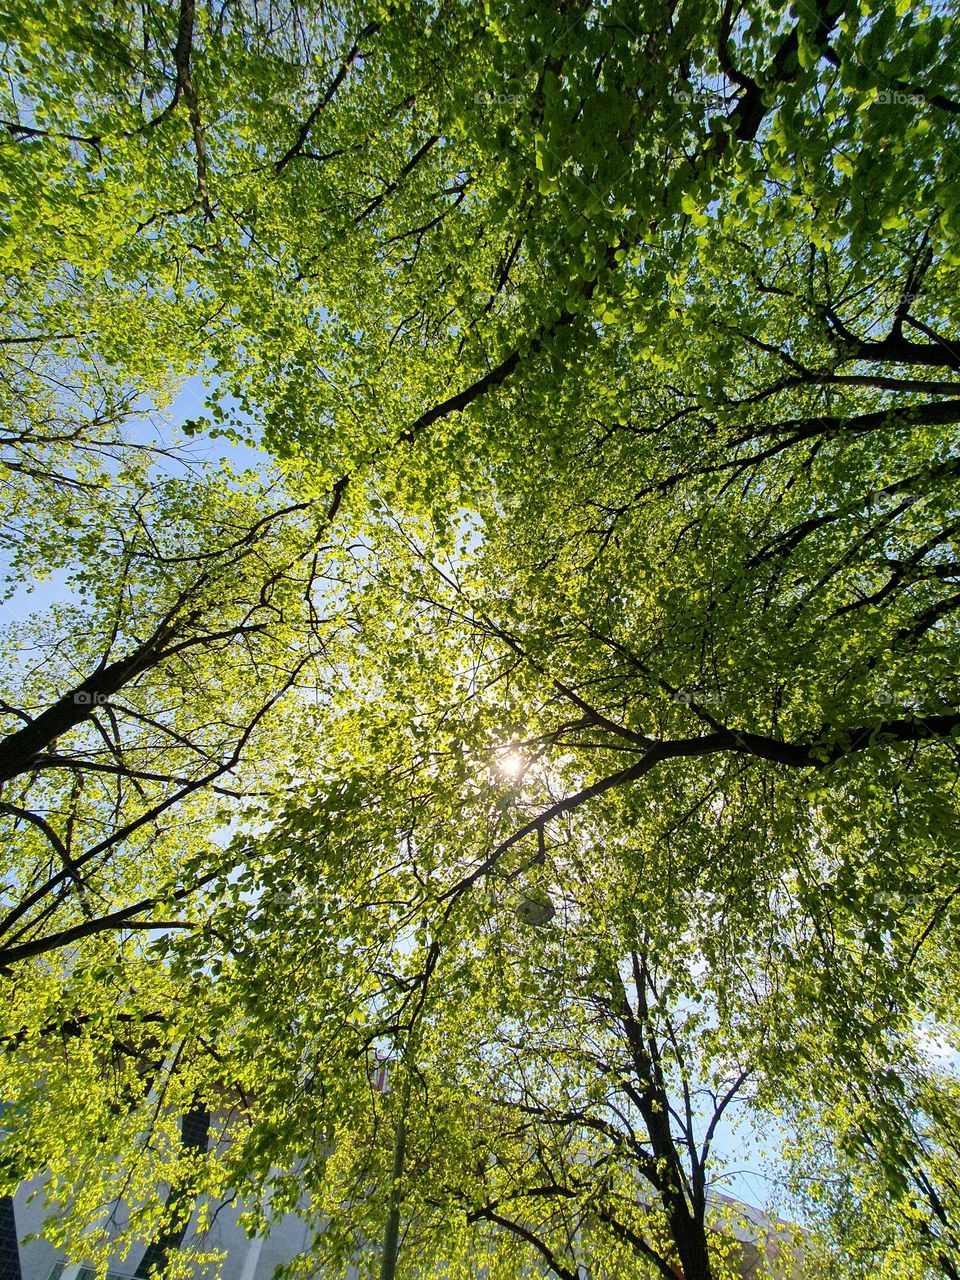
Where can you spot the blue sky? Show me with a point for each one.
(157, 427)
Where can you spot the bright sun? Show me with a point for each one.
(510, 763)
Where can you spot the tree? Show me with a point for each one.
(619, 349)
(879, 1183)
(545, 1102)
(194, 618)
(169, 696)
(619, 1146)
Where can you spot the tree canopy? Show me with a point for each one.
(566, 707)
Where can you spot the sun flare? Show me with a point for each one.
(510, 763)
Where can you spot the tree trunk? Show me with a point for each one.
(690, 1239)
(194, 1131)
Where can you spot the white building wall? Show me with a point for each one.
(246, 1259)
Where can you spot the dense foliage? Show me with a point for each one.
(566, 708)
